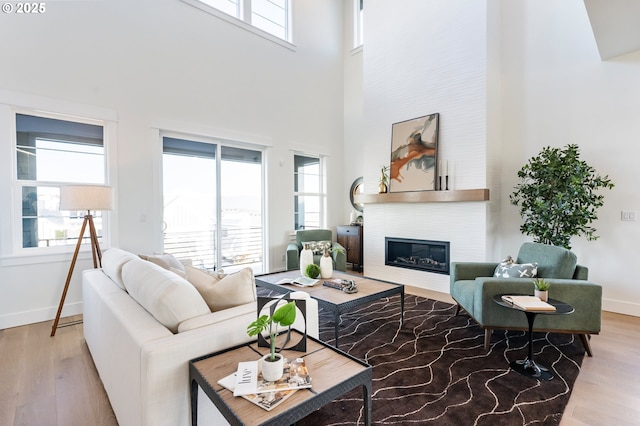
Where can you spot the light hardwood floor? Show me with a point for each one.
(52, 380)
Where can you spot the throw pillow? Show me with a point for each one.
(509, 269)
(166, 260)
(112, 261)
(318, 247)
(166, 296)
(223, 291)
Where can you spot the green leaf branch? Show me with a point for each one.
(558, 196)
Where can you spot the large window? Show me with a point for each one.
(270, 16)
(308, 192)
(51, 153)
(213, 204)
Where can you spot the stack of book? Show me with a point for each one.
(247, 382)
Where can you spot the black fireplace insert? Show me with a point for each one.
(425, 255)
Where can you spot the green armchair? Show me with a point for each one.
(311, 235)
(473, 286)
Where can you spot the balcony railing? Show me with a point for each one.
(239, 247)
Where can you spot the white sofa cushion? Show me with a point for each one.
(112, 261)
(222, 291)
(165, 295)
(219, 317)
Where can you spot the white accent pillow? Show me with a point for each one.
(112, 262)
(165, 295)
(223, 291)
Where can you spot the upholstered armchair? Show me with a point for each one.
(312, 236)
(474, 284)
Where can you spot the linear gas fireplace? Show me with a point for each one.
(425, 255)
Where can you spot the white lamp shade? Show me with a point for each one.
(86, 197)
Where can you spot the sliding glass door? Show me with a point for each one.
(213, 204)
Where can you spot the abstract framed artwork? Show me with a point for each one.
(414, 151)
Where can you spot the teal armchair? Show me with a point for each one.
(473, 286)
(338, 253)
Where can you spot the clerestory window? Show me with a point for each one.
(270, 16)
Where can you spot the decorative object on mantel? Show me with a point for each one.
(384, 179)
(557, 196)
(444, 170)
(414, 150)
(357, 187)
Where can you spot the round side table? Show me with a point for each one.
(528, 366)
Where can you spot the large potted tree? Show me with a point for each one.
(558, 196)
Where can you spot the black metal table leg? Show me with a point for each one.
(528, 366)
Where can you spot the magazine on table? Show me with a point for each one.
(248, 383)
(300, 281)
(267, 400)
(528, 303)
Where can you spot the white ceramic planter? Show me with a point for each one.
(326, 266)
(272, 370)
(306, 258)
(542, 295)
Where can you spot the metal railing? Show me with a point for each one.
(238, 246)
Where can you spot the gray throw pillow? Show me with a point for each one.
(509, 269)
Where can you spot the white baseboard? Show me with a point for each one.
(17, 319)
(621, 307)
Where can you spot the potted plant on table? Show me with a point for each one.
(272, 364)
(541, 289)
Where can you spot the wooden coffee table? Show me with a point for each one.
(336, 301)
(333, 373)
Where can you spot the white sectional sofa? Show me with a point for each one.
(142, 353)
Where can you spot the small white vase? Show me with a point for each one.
(326, 265)
(306, 258)
(272, 370)
(542, 295)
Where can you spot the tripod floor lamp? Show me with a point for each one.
(77, 198)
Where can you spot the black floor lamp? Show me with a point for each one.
(77, 198)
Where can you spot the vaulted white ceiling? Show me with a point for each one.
(616, 26)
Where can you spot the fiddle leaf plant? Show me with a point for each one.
(558, 196)
(284, 316)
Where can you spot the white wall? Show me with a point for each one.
(419, 59)
(508, 78)
(165, 65)
(557, 91)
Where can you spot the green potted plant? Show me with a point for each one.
(557, 196)
(541, 289)
(272, 364)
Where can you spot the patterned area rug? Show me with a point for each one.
(434, 370)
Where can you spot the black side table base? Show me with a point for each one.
(529, 368)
